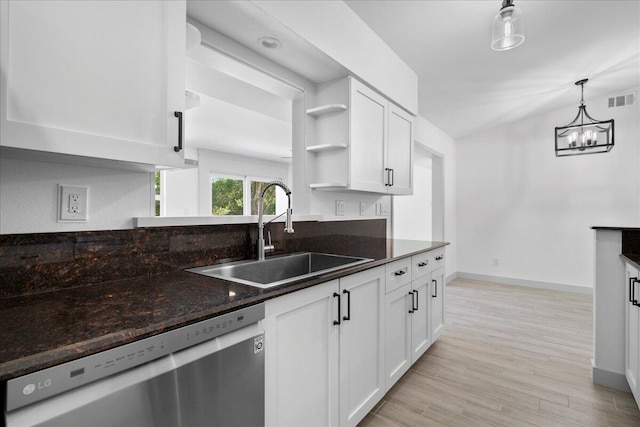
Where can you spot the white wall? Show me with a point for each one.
(440, 144)
(180, 192)
(412, 215)
(531, 211)
(29, 196)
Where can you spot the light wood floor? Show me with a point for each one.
(509, 356)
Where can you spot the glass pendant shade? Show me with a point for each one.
(584, 135)
(508, 28)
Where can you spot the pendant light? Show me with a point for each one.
(582, 136)
(508, 27)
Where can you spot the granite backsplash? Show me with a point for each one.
(34, 263)
(631, 241)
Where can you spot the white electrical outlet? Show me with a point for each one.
(73, 204)
(363, 208)
(339, 207)
(383, 210)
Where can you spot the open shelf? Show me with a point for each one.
(326, 109)
(325, 147)
(328, 185)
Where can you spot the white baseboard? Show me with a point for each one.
(451, 278)
(609, 379)
(523, 282)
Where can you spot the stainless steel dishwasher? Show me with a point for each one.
(210, 373)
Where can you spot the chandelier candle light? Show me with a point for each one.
(584, 137)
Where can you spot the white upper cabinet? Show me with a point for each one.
(368, 142)
(365, 146)
(100, 79)
(400, 150)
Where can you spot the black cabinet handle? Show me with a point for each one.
(631, 289)
(435, 295)
(439, 258)
(348, 316)
(423, 264)
(391, 171)
(399, 272)
(411, 310)
(178, 147)
(388, 183)
(337, 322)
(635, 301)
(417, 301)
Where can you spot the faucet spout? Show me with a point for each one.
(288, 225)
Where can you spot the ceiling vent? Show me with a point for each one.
(622, 100)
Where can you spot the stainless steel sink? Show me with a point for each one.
(279, 270)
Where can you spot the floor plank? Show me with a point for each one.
(509, 356)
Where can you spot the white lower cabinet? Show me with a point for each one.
(325, 352)
(632, 330)
(301, 356)
(398, 307)
(333, 350)
(362, 338)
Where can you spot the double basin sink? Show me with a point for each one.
(279, 270)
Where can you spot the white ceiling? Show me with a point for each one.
(465, 86)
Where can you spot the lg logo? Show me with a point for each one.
(30, 388)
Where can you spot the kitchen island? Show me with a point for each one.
(614, 246)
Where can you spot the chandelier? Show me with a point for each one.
(584, 135)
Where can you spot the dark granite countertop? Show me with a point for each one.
(49, 328)
(596, 227)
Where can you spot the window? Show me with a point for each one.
(227, 195)
(157, 193)
(269, 206)
(239, 195)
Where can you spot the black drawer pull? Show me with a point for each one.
(435, 283)
(337, 322)
(348, 316)
(399, 272)
(412, 303)
(631, 289)
(423, 264)
(439, 258)
(635, 300)
(417, 301)
(178, 147)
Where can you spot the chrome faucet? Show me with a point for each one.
(288, 225)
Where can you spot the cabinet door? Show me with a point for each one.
(301, 358)
(400, 150)
(362, 340)
(420, 325)
(98, 79)
(398, 313)
(437, 298)
(368, 134)
(632, 331)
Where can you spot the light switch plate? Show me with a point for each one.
(72, 203)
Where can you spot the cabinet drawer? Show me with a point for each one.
(421, 265)
(398, 274)
(437, 259)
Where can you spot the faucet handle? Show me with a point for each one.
(269, 247)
